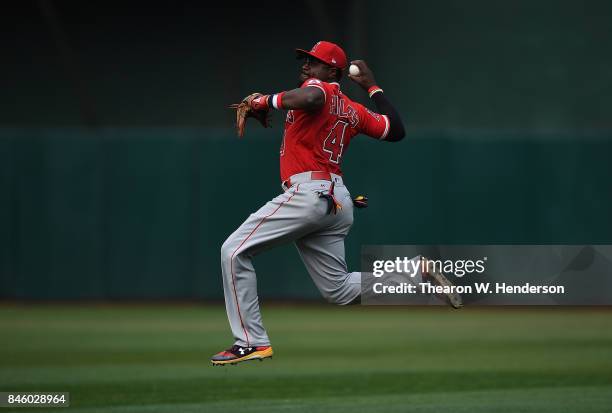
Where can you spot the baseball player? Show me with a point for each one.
(315, 211)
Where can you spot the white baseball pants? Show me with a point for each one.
(298, 215)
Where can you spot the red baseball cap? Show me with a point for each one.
(327, 52)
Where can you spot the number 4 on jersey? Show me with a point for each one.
(334, 143)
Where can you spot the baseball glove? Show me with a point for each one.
(244, 111)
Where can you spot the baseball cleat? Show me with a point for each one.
(236, 354)
(449, 296)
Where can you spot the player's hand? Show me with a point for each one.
(365, 78)
(258, 102)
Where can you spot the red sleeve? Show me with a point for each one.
(372, 124)
(312, 82)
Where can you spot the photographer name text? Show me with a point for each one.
(478, 288)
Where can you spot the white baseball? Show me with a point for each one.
(354, 70)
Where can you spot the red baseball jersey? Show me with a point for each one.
(317, 141)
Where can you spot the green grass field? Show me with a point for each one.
(139, 358)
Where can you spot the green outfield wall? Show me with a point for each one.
(141, 213)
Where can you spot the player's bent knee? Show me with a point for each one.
(231, 250)
(227, 249)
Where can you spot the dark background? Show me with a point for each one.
(120, 173)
